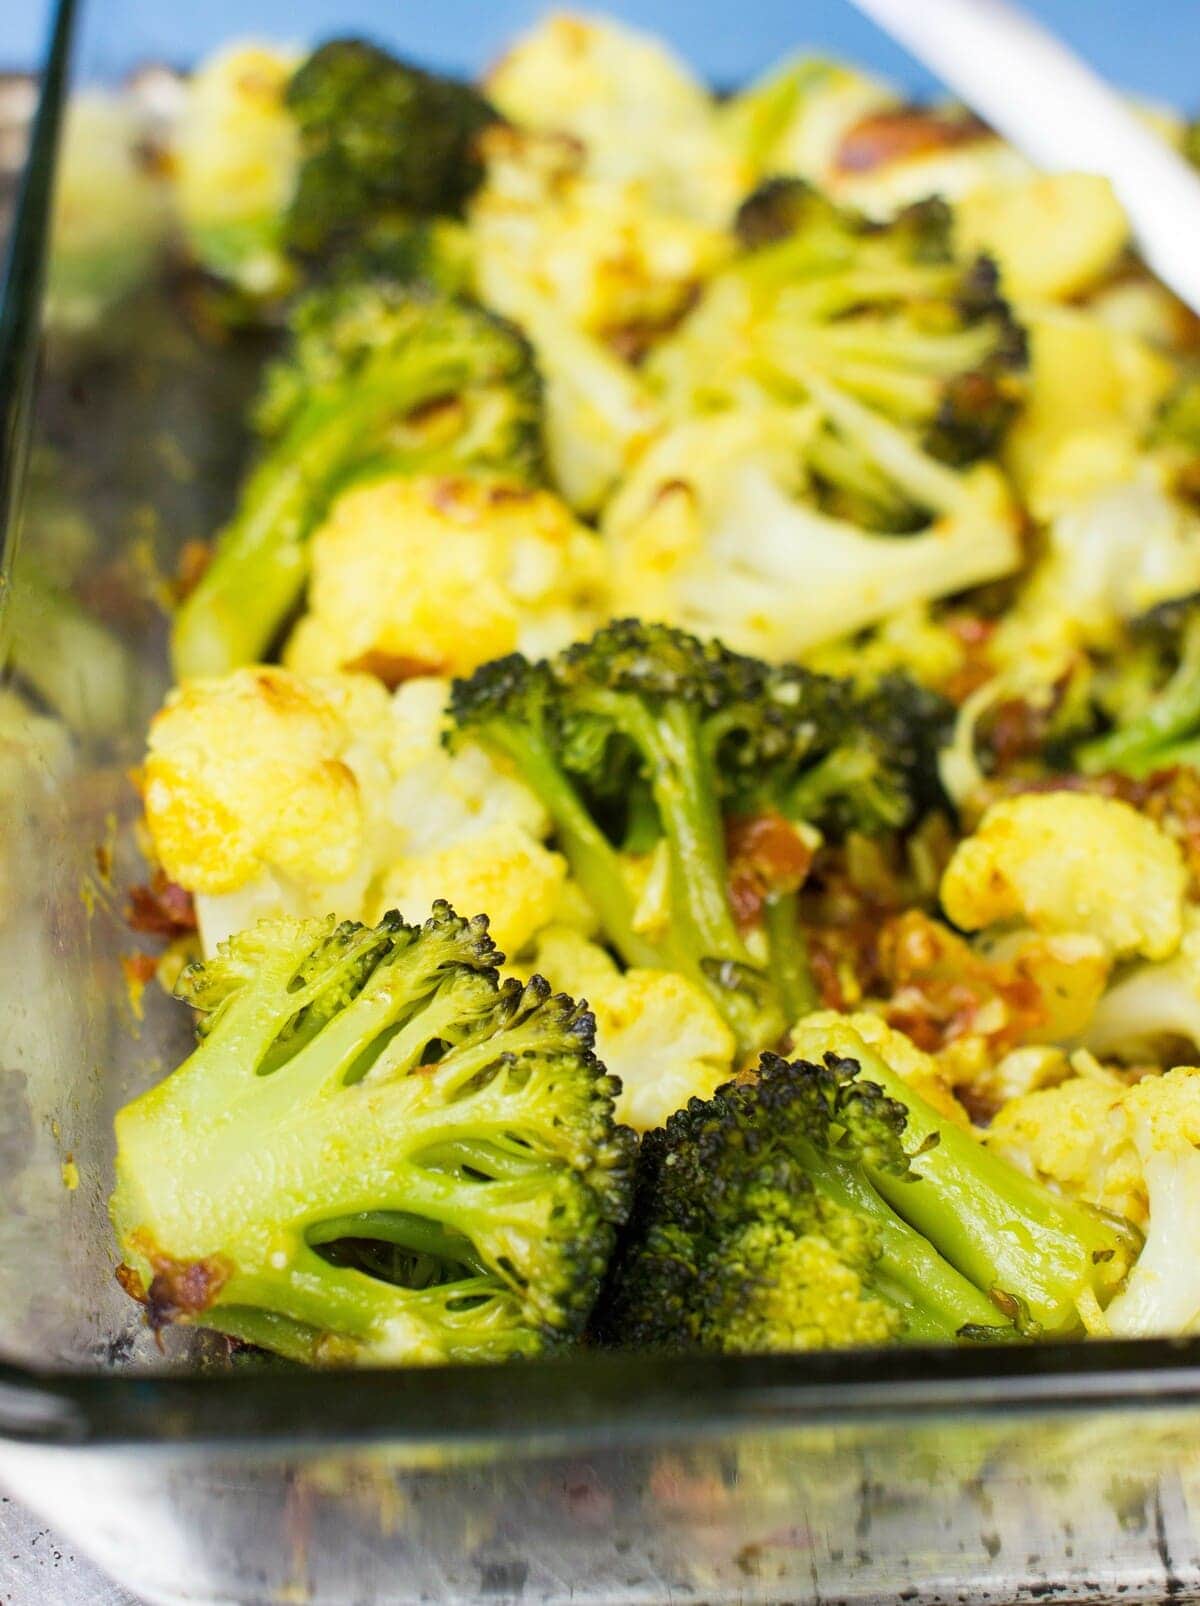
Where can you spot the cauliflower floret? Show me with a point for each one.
(713, 531)
(1070, 862)
(655, 1030)
(263, 770)
(1093, 393)
(438, 798)
(271, 794)
(236, 161)
(1109, 556)
(825, 1031)
(110, 208)
(1147, 1003)
(502, 871)
(599, 247)
(1052, 235)
(435, 576)
(633, 107)
(599, 410)
(1135, 1150)
(1162, 1294)
(1075, 1136)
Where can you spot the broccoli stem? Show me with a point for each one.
(1145, 743)
(1003, 1230)
(680, 774)
(594, 862)
(704, 941)
(937, 1300)
(257, 575)
(788, 964)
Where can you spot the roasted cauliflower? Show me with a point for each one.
(436, 575)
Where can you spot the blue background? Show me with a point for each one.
(1149, 46)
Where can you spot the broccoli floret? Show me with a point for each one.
(827, 1203)
(435, 252)
(378, 378)
(647, 739)
(378, 1152)
(1152, 694)
(757, 1226)
(882, 311)
(381, 142)
(1048, 1262)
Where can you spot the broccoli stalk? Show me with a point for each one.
(378, 1152)
(1156, 694)
(378, 379)
(757, 1225)
(631, 702)
(1041, 1257)
(647, 736)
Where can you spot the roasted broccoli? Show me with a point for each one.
(381, 142)
(883, 312)
(292, 167)
(378, 378)
(825, 1203)
(648, 742)
(1151, 693)
(378, 1152)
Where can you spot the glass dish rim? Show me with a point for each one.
(588, 1399)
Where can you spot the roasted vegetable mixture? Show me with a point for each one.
(685, 759)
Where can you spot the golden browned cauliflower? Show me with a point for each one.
(1134, 1149)
(435, 576)
(263, 770)
(1076, 1136)
(269, 793)
(1070, 862)
(614, 263)
(629, 104)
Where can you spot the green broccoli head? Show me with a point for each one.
(381, 141)
(755, 1226)
(379, 377)
(884, 314)
(645, 739)
(444, 1177)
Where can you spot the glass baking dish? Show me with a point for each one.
(1069, 1472)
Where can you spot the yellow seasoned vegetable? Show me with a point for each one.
(1069, 862)
(1053, 235)
(434, 576)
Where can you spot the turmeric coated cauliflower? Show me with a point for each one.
(1071, 862)
(502, 871)
(436, 576)
(1075, 1136)
(716, 530)
(263, 770)
(1136, 1150)
(609, 258)
(237, 155)
(270, 793)
(655, 1029)
(632, 107)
